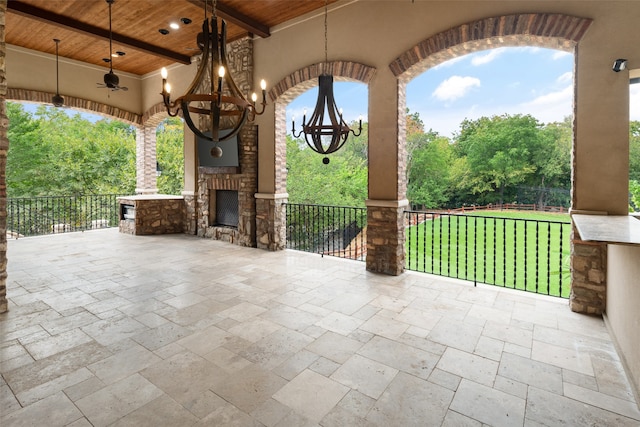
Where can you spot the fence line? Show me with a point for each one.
(526, 254)
(328, 230)
(34, 216)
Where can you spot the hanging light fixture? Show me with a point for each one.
(218, 98)
(320, 137)
(57, 100)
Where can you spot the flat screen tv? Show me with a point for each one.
(229, 151)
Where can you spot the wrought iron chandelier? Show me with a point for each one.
(320, 137)
(215, 95)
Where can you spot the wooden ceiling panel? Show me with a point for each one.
(83, 27)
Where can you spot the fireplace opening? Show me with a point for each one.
(226, 208)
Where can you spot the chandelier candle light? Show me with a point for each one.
(228, 109)
(320, 137)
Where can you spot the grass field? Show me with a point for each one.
(521, 250)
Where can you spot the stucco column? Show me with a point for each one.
(190, 181)
(600, 173)
(272, 197)
(387, 183)
(146, 178)
(4, 147)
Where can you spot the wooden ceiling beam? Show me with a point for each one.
(232, 15)
(49, 17)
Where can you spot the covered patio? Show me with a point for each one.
(106, 328)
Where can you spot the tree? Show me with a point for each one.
(428, 170)
(170, 156)
(498, 152)
(634, 150)
(342, 182)
(54, 154)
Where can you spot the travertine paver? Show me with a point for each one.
(113, 329)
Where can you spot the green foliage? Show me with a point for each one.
(170, 156)
(634, 192)
(499, 151)
(342, 182)
(428, 172)
(51, 153)
(54, 154)
(634, 150)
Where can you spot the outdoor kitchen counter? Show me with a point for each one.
(151, 214)
(621, 229)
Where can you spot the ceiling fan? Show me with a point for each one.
(111, 80)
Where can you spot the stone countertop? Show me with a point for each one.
(624, 229)
(151, 197)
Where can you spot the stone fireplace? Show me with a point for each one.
(226, 207)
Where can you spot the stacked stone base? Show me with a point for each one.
(271, 221)
(588, 276)
(155, 214)
(385, 239)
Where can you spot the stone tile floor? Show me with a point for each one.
(111, 329)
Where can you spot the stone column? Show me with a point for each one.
(387, 182)
(385, 236)
(4, 147)
(146, 178)
(271, 221)
(588, 276)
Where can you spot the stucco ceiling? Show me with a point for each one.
(82, 26)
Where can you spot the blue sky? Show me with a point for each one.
(518, 80)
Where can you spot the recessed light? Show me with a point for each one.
(185, 21)
(163, 31)
(174, 25)
(107, 60)
(120, 53)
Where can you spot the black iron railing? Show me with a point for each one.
(33, 216)
(327, 230)
(524, 254)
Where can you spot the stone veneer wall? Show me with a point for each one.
(271, 222)
(4, 147)
(245, 182)
(154, 215)
(385, 239)
(588, 276)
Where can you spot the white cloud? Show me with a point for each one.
(449, 62)
(455, 87)
(559, 54)
(481, 59)
(564, 96)
(565, 78)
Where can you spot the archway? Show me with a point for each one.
(555, 31)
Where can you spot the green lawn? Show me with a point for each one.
(522, 250)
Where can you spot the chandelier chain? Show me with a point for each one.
(326, 56)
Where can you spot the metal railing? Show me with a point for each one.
(526, 254)
(327, 230)
(34, 216)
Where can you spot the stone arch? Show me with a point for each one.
(555, 31)
(76, 103)
(295, 84)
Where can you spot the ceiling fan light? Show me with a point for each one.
(57, 100)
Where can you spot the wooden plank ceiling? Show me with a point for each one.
(82, 26)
